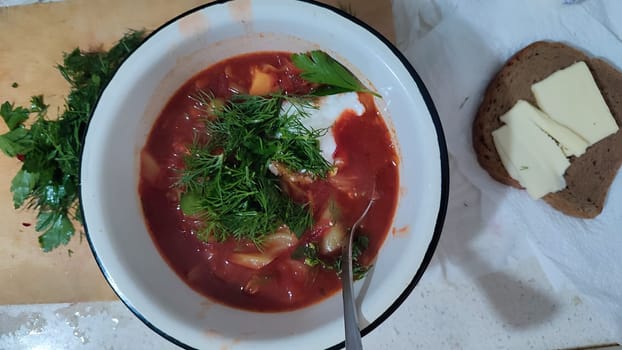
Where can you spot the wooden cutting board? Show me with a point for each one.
(32, 40)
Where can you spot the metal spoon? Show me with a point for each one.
(350, 317)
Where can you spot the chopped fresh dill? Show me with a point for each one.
(226, 181)
(311, 256)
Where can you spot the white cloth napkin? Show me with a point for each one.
(457, 46)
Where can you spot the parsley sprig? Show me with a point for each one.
(226, 180)
(319, 67)
(50, 148)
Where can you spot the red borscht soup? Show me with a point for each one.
(287, 268)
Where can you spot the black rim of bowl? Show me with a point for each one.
(444, 162)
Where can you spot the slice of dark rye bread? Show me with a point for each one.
(589, 176)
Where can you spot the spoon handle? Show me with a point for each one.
(353, 334)
(350, 318)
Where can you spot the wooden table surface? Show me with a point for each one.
(32, 40)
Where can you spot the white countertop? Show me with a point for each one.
(510, 309)
(461, 303)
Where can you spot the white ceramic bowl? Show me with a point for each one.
(133, 99)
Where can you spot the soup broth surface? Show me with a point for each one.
(365, 161)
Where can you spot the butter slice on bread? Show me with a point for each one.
(589, 176)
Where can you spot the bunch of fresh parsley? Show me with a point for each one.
(50, 148)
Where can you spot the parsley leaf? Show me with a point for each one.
(50, 148)
(13, 116)
(15, 142)
(319, 67)
(22, 185)
(57, 228)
